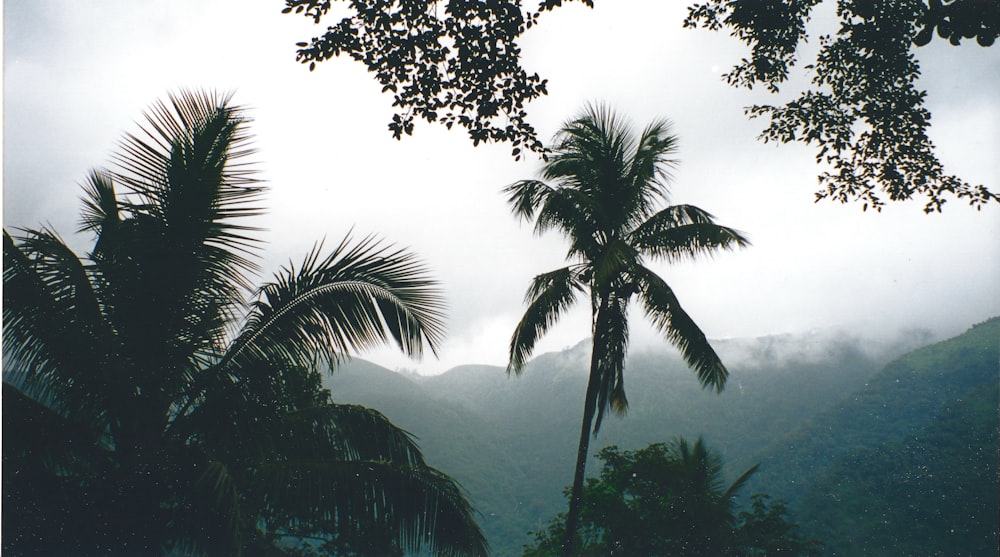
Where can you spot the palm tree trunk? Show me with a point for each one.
(589, 409)
(576, 494)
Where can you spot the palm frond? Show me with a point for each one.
(526, 196)
(563, 208)
(700, 468)
(356, 298)
(549, 295)
(291, 429)
(183, 170)
(680, 232)
(414, 506)
(591, 149)
(213, 519)
(172, 131)
(609, 349)
(665, 312)
(610, 265)
(649, 169)
(47, 461)
(576, 214)
(161, 435)
(176, 262)
(56, 346)
(100, 203)
(35, 436)
(597, 155)
(739, 482)
(221, 405)
(678, 215)
(347, 432)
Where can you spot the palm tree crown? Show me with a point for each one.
(157, 403)
(603, 188)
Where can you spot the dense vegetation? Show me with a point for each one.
(506, 440)
(918, 470)
(894, 405)
(157, 402)
(154, 403)
(932, 493)
(670, 499)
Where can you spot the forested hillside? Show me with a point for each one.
(896, 403)
(914, 457)
(510, 441)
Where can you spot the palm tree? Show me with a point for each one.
(664, 499)
(607, 184)
(156, 403)
(702, 516)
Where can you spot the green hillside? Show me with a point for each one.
(510, 441)
(878, 453)
(914, 456)
(932, 493)
(894, 404)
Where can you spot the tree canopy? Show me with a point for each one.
(459, 62)
(462, 66)
(157, 403)
(670, 499)
(863, 109)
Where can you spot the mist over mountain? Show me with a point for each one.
(511, 441)
(906, 465)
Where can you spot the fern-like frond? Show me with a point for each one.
(416, 507)
(347, 432)
(610, 346)
(684, 231)
(665, 312)
(100, 204)
(526, 196)
(549, 295)
(649, 170)
(57, 348)
(357, 297)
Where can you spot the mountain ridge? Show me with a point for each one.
(510, 440)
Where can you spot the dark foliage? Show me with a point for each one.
(458, 62)
(863, 109)
(670, 499)
(506, 440)
(932, 493)
(893, 405)
(796, 406)
(453, 62)
(156, 404)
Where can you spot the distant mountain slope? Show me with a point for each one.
(511, 440)
(906, 463)
(898, 401)
(932, 493)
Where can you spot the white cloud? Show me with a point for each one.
(78, 74)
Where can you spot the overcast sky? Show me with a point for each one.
(78, 74)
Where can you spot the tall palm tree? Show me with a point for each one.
(607, 184)
(156, 403)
